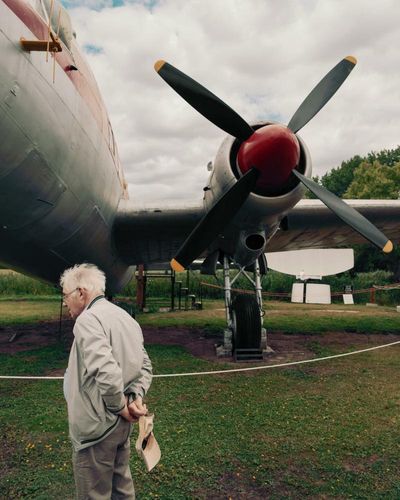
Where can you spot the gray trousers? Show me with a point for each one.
(102, 471)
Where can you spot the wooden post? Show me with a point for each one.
(372, 296)
(187, 290)
(172, 290)
(140, 288)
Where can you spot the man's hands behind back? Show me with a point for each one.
(137, 408)
(133, 411)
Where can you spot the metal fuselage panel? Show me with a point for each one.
(60, 177)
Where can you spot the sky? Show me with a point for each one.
(261, 57)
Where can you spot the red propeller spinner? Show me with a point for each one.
(274, 151)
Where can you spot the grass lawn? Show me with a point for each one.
(326, 430)
(28, 310)
(279, 316)
(290, 318)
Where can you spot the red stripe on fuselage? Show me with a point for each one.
(82, 79)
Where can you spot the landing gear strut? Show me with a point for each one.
(244, 337)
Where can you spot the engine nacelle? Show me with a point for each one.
(261, 214)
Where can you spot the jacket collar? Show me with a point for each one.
(95, 300)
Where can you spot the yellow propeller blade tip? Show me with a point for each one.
(176, 266)
(158, 65)
(352, 59)
(388, 247)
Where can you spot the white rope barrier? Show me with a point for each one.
(234, 370)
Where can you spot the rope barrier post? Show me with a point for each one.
(172, 290)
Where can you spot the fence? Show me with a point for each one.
(371, 291)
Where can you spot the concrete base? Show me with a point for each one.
(370, 304)
(222, 352)
(225, 350)
(268, 351)
(398, 309)
(264, 343)
(263, 339)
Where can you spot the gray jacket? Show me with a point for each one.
(107, 362)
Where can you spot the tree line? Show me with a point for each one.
(374, 176)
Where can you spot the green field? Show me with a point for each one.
(326, 430)
(279, 316)
(15, 285)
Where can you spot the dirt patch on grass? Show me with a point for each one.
(286, 347)
(238, 486)
(361, 465)
(26, 337)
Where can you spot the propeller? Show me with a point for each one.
(322, 93)
(204, 101)
(350, 216)
(214, 221)
(267, 157)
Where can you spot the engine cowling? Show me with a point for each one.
(269, 202)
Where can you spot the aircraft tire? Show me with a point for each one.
(246, 322)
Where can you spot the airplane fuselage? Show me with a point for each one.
(60, 175)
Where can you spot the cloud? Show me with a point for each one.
(261, 57)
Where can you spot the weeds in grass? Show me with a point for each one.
(330, 431)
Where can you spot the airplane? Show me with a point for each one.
(64, 199)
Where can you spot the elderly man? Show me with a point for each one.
(108, 374)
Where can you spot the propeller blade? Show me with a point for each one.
(353, 218)
(321, 94)
(204, 101)
(214, 221)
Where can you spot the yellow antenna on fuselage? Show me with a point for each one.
(49, 30)
(55, 50)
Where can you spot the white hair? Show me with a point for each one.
(86, 276)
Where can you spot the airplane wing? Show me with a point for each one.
(152, 235)
(310, 224)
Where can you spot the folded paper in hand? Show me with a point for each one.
(146, 444)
